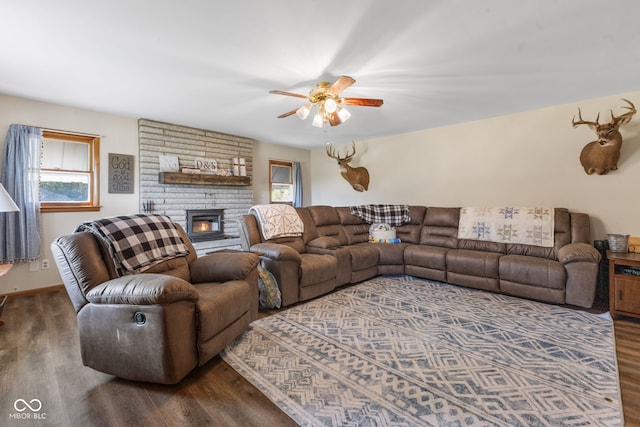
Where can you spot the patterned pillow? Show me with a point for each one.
(269, 292)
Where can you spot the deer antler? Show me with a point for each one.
(581, 121)
(332, 153)
(346, 158)
(626, 117)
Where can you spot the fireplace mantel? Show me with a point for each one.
(202, 179)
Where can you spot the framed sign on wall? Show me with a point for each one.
(121, 173)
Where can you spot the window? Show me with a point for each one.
(280, 182)
(69, 172)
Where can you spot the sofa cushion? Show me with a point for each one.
(324, 242)
(446, 237)
(417, 214)
(532, 271)
(356, 233)
(296, 243)
(310, 231)
(391, 254)
(562, 228)
(324, 215)
(363, 256)
(441, 227)
(177, 267)
(409, 233)
(221, 304)
(578, 252)
(222, 266)
(442, 217)
(345, 217)
(432, 257)
(317, 268)
(473, 263)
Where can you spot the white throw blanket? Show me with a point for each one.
(529, 226)
(277, 220)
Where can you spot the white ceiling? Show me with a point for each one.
(211, 64)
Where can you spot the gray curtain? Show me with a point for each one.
(297, 185)
(20, 231)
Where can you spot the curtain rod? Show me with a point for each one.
(67, 131)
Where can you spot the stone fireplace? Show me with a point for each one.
(175, 198)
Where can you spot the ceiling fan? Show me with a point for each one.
(325, 97)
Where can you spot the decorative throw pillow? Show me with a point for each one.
(269, 292)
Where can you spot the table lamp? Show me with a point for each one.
(6, 205)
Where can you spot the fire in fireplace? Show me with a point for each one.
(205, 224)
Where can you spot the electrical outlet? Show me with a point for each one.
(44, 264)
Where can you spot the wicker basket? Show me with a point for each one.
(618, 242)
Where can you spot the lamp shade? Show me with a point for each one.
(6, 202)
(343, 114)
(318, 120)
(303, 112)
(330, 106)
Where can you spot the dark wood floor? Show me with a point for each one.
(40, 359)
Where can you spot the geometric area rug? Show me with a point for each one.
(405, 351)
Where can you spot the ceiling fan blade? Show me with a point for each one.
(334, 120)
(341, 84)
(363, 102)
(281, 92)
(287, 114)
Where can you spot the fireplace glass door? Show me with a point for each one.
(205, 224)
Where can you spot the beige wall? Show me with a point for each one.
(265, 152)
(119, 135)
(523, 159)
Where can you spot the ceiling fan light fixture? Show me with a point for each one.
(318, 119)
(303, 112)
(325, 98)
(343, 114)
(330, 105)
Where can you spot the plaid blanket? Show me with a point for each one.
(137, 242)
(393, 215)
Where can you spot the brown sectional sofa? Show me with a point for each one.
(334, 251)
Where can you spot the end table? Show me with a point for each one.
(624, 284)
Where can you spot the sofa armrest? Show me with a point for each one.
(578, 252)
(277, 252)
(143, 289)
(324, 242)
(222, 267)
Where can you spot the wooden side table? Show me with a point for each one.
(624, 286)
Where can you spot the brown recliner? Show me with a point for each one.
(159, 325)
(301, 275)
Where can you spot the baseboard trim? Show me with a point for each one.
(28, 292)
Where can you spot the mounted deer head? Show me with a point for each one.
(357, 177)
(602, 155)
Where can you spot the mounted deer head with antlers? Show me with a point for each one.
(357, 177)
(602, 155)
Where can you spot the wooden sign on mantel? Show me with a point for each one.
(178, 178)
(206, 165)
